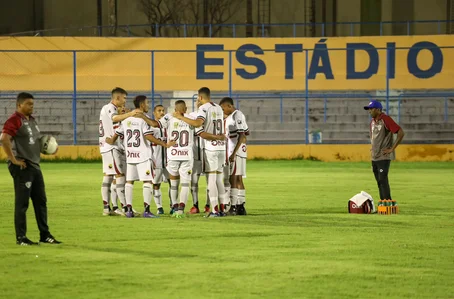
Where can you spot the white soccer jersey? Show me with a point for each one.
(213, 118)
(137, 148)
(159, 153)
(120, 140)
(183, 135)
(235, 124)
(197, 148)
(106, 127)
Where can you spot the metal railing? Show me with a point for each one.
(235, 30)
(80, 78)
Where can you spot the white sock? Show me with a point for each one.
(195, 189)
(128, 193)
(157, 198)
(105, 187)
(212, 191)
(121, 190)
(169, 193)
(174, 191)
(147, 193)
(241, 196)
(221, 188)
(113, 194)
(227, 191)
(184, 193)
(227, 195)
(234, 196)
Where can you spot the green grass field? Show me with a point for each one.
(298, 240)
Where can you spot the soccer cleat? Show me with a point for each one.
(174, 209)
(241, 210)
(207, 209)
(106, 212)
(129, 214)
(24, 241)
(160, 211)
(118, 212)
(136, 214)
(194, 210)
(213, 215)
(49, 240)
(179, 214)
(149, 215)
(232, 211)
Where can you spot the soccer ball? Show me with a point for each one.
(49, 145)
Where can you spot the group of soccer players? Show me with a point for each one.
(175, 147)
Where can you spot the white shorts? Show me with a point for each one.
(139, 172)
(213, 161)
(238, 167)
(113, 162)
(160, 175)
(197, 167)
(180, 168)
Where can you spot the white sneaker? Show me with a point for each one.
(106, 212)
(118, 212)
(136, 214)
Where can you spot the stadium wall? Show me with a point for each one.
(271, 64)
(327, 153)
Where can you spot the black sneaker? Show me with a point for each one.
(24, 241)
(49, 240)
(232, 211)
(241, 210)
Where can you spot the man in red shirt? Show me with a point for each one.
(382, 128)
(21, 142)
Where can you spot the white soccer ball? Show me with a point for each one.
(49, 145)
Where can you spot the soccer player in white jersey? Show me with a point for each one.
(159, 154)
(180, 157)
(211, 118)
(137, 137)
(114, 192)
(111, 162)
(237, 152)
(197, 151)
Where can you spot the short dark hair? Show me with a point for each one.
(180, 102)
(157, 106)
(22, 97)
(226, 100)
(205, 91)
(119, 90)
(139, 100)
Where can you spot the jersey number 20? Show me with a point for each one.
(181, 138)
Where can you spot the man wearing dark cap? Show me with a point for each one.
(382, 128)
(21, 142)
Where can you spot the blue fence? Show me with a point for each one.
(236, 30)
(316, 108)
